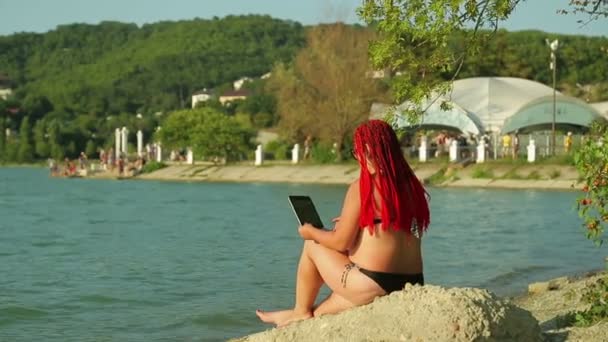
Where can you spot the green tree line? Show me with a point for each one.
(77, 83)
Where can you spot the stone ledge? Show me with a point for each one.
(418, 313)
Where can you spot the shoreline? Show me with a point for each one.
(477, 176)
(503, 176)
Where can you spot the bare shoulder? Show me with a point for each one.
(354, 185)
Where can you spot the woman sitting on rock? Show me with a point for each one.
(374, 248)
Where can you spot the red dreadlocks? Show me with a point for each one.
(404, 199)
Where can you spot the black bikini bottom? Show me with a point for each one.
(390, 282)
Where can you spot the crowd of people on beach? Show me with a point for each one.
(108, 162)
(496, 146)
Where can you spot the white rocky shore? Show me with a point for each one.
(434, 313)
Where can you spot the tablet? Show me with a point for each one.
(305, 211)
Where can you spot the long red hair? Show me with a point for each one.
(404, 200)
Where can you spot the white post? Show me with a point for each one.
(258, 155)
(481, 152)
(117, 148)
(295, 154)
(423, 152)
(495, 137)
(125, 139)
(140, 143)
(454, 150)
(159, 152)
(531, 152)
(548, 152)
(189, 156)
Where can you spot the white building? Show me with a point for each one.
(200, 96)
(601, 107)
(5, 87)
(238, 84)
(498, 105)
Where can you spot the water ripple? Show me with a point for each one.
(10, 314)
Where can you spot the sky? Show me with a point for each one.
(45, 15)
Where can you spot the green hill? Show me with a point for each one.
(116, 67)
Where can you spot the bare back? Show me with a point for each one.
(387, 250)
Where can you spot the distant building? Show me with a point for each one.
(238, 84)
(232, 95)
(601, 107)
(266, 75)
(5, 87)
(502, 105)
(200, 96)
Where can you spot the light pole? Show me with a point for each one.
(553, 66)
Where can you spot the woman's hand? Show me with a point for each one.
(305, 231)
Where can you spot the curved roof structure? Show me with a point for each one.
(601, 107)
(494, 99)
(455, 117)
(500, 104)
(539, 114)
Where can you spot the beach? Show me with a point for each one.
(507, 176)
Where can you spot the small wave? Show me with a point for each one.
(509, 278)
(17, 313)
(52, 243)
(220, 320)
(92, 221)
(102, 299)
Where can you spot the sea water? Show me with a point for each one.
(108, 260)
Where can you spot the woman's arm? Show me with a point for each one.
(346, 229)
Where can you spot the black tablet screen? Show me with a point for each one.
(305, 210)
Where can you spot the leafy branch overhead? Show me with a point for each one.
(417, 43)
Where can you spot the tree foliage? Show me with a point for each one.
(115, 67)
(592, 163)
(429, 43)
(328, 90)
(208, 132)
(25, 154)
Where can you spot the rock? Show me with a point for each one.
(539, 287)
(551, 285)
(558, 283)
(418, 313)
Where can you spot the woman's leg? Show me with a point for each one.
(318, 265)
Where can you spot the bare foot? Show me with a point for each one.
(295, 316)
(282, 318)
(273, 317)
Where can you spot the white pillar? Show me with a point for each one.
(140, 143)
(454, 150)
(481, 151)
(295, 154)
(423, 152)
(159, 152)
(258, 155)
(531, 152)
(118, 138)
(189, 156)
(495, 137)
(125, 139)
